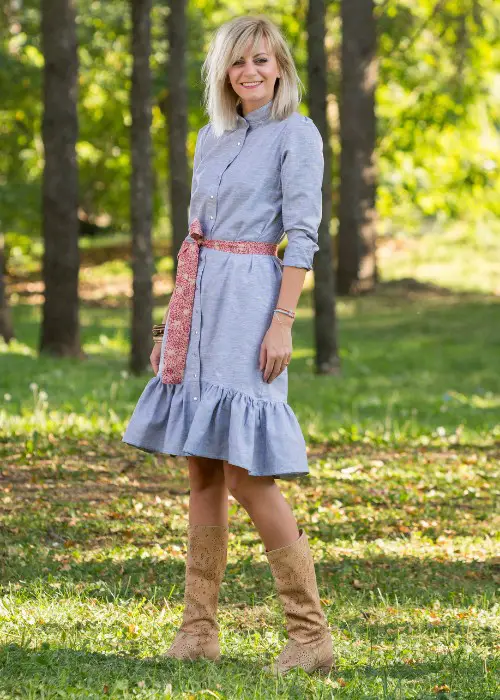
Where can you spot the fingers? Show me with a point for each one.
(154, 358)
(275, 366)
(284, 363)
(262, 357)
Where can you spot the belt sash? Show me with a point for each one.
(181, 304)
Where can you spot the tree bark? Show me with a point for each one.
(177, 124)
(6, 329)
(357, 268)
(325, 325)
(60, 332)
(141, 185)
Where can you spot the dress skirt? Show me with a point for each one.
(223, 408)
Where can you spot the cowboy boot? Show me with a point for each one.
(198, 635)
(310, 645)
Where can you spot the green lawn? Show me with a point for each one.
(401, 509)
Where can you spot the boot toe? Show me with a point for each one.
(309, 658)
(189, 647)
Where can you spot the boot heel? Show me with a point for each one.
(325, 668)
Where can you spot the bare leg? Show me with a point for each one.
(208, 500)
(265, 504)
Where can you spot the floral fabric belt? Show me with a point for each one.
(181, 304)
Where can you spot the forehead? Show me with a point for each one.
(262, 46)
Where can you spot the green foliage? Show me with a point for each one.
(438, 106)
(439, 110)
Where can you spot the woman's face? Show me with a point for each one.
(260, 70)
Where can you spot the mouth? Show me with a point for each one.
(250, 86)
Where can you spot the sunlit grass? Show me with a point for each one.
(460, 257)
(401, 508)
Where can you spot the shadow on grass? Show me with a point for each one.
(66, 671)
(411, 580)
(112, 674)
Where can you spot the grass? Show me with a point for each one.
(401, 508)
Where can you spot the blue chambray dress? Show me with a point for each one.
(255, 183)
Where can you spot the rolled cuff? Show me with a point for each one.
(300, 249)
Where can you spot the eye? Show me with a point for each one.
(257, 60)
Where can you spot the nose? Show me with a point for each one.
(248, 64)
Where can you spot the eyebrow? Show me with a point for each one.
(261, 53)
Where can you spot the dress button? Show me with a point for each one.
(211, 196)
(195, 375)
(196, 332)
(211, 217)
(239, 142)
(195, 398)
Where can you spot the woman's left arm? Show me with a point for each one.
(302, 166)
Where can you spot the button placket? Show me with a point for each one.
(195, 372)
(213, 204)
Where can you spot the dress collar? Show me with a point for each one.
(256, 116)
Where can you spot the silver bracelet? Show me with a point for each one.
(282, 311)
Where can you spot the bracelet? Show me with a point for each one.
(158, 330)
(281, 310)
(289, 326)
(276, 314)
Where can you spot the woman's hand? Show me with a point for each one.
(276, 348)
(155, 356)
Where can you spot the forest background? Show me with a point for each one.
(403, 437)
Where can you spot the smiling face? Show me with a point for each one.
(253, 76)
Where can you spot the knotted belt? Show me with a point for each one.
(181, 304)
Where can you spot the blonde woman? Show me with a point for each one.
(219, 396)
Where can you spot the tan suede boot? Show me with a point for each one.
(198, 635)
(310, 644)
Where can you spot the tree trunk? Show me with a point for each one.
(141, 188)
(6, 329)
(357, 269)
(325, 326)
(60, 332)
(177, 125)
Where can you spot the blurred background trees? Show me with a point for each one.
(410, 95)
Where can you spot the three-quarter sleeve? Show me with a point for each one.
(302, 166)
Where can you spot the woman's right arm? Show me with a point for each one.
(166, 314)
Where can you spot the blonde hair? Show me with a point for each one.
(227, 46)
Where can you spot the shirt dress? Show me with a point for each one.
(258, 182)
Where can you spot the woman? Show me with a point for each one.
(219, 397)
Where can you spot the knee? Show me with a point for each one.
(243, 487)
(205, 473)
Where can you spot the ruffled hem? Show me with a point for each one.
(259, 435)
